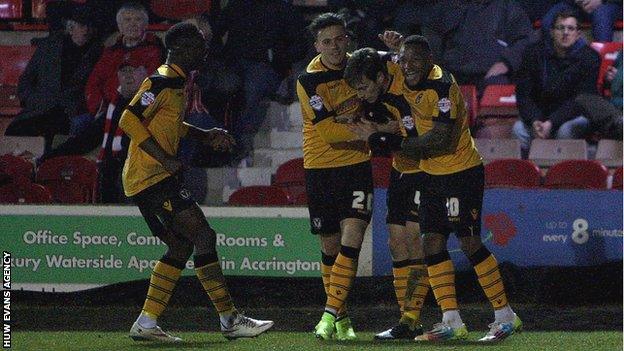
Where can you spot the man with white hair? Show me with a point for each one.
(133, 43)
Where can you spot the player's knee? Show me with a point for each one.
(434, 243)
(470, 245)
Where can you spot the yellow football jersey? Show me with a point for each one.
(438, 99)
(156, 110)
(324, 95)
(400, 109)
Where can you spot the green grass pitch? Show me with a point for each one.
(297, 341)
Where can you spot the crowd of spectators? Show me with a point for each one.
(97, 53)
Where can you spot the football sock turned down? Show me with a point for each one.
(342, 275)
(162, 282)
(210, 276)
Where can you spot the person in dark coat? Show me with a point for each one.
(482, 40)
(553, 73)
(51, 89)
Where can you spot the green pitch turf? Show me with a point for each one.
(292, 341)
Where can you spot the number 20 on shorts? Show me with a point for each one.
(359, 197)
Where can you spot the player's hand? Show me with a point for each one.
(363, 129)
(497, 69)
(172, 165)
(219, 139)
(391, 39)
(590, 6)
(610, 74)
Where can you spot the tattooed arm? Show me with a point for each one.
(437, 142)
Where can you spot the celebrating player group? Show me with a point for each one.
(396, 103)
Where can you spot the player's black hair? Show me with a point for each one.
(363, 62)
(419, 41)
(325, 20)
(181, 31)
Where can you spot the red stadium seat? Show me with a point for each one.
(18, 169)
(290, 176)
(13, 61)
(617, 180)
(472, 103)
(512, 173)
(498, 100)
(71, 179)
(180, 9)
(11, 9)
(301, 199)
(28, 193)
(259, 195)
(381, 171)
(608, 53)
(577, 174)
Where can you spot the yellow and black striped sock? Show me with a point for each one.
(486, 267)
(442, 280)
(211, 278)
(342, 275)
(162, 282)
(327, 263)
(417, 289)
(400, 271)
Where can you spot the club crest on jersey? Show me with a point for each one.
(316, 102)
(147, 98)
(317, 223)
(444, 105)
(408, 122)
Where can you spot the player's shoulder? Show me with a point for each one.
(439, 80)
(162, 81)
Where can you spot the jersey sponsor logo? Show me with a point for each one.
(408, 122)
(444, 105)
(419, 97)
(316, 102)
(348, 105)
(147, 98)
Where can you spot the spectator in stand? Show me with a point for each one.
(264, 37)
(134, 42)
(605, 116)
(553, 73)
(115, 142)
(104, 131)
(51, 89)
(601, 13)
(483, 40)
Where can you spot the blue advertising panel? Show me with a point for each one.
(533, 228)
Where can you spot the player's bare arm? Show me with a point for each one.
(437, 142)
(169, 162)
(217, 138)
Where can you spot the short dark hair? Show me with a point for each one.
(567, 13)
(363, 62)
(325, 20)
(181, 31)
(419, 41)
